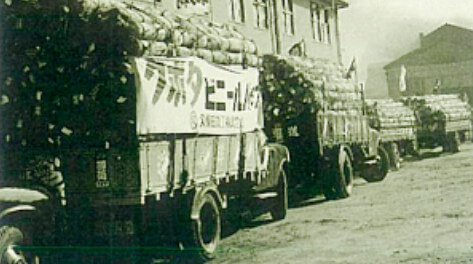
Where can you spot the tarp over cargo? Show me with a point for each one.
(449, 110)
(394, 120)
(310, 98)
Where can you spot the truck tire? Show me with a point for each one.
(344, 179)
(279, 210)
(382, 167)
(10, 238)
(206, 230)
(394, 156)
(338, 182)
(455, 142)
(451, 142)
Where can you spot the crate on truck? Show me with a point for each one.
(397, 125)
(442, 120)
(319, 115)
(126, 134)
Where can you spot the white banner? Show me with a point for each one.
(190, 95)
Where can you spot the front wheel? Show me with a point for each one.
(279, 209)
(338, 180)
(206, 230)
(11, 240)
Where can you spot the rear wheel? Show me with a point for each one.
(279, 210)
(452, 142)
(206, 230)
(455, 142)
(379, 172)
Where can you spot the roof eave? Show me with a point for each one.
(339, 3)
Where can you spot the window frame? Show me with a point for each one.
(321, 31)
(287, 9)
(261, 6)
(233, 14)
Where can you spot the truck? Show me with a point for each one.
(441, 119)
(117, 149)
(398, 128)
(320, 116)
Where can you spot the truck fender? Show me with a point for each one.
(199, 194)
(17, 209)
(348, 151)
(281, 155)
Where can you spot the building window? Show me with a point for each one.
(237, 11)
(320, 19)
(261, 13)
(288, 16)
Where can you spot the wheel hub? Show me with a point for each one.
(11, 256)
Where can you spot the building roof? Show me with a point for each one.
(446, 44)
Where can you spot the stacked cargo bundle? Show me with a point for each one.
(447, 109)
(66, 78)
(393, 119)
(152, 31)
(293, 85)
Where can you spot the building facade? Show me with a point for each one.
(275, 25)
(442, 64)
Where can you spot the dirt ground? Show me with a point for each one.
(422, 213)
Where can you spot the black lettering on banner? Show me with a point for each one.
(213, 87)
(209, 90)
(176, 82)
(160, 85)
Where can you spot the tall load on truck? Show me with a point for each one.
(442, 119)
(397, 126)
(319, 115)
(153, 147)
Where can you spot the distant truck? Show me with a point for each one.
(442, 120)
(398, 128)
(319, 115)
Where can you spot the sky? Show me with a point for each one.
(380, 31)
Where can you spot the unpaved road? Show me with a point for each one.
(422, 213)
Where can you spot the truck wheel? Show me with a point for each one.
(382, 167)
(455, 141)
(395, 156)
(338, 181)
(344, 179)
(452, 142)
(206, 230)
(11, 238)
(279, 210)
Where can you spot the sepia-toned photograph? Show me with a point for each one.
(236, 131)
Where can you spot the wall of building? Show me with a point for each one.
(221, 13)
(422, 79)
(303, 30)
(265, 38)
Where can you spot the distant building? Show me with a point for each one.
(375, 85)
(442, 64)
(276, 25)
